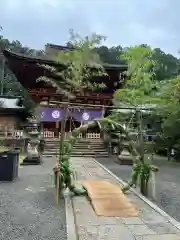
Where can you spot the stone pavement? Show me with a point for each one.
(149, 225)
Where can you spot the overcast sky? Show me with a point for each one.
(124, 22)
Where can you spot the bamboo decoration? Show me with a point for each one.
(63, 172)
(57, 187)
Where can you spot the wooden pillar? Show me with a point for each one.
(57, 127)
(63, 125)
(2, 60)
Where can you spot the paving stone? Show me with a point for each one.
(167, 182)
(82, 177)
(110, 220)
(81, 201)
(159, 237)
(163, 228)
(140, 230)
(110, 232)
(84, 213)
(86, 220)
(150, 216)
(149, 225)
(139, 202)
(132, 221)
(87, 233)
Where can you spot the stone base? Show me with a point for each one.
(32, 161)
(125, 160)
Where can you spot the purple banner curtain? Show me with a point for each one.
(81, 115)
(51, 114)
(85, 115)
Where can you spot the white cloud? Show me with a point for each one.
(124, 22)
(53, 3)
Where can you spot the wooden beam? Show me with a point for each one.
(94, 106)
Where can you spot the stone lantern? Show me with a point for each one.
(35, 143)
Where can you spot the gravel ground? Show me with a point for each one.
(167, 183)
(27, 207)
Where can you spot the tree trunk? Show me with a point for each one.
(63, 126)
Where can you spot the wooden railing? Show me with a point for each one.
(51, 134)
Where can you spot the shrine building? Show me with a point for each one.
(27, 70)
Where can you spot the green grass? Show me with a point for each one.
(173, 163)
(21, 158)
(3, 149)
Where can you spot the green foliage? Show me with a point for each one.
(80, 65)
(17, 47)
(65, 170)
(139, 83)
(167, 66)
(132, 96)
(138, 91)
(169, 111)
(78, 189)
(110, 55)
(8, 82)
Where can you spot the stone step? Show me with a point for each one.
(77, 151)
(92, 151)
(48, 152)
(84, 147)
(90, 144)
(76, 147)
(80, 140)
(92, 156)
(79, 155)
(88, 148)
(78, 143)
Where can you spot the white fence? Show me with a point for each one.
(51, 134)
(93, 135)
(12, 134)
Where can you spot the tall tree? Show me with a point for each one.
(110, 55)
(139, 84)
(167, 65)
(17, 47)
(8, 82)
(79, 66)
(169, 110)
